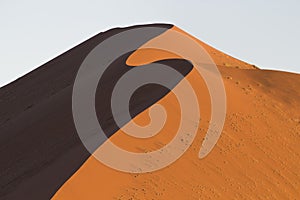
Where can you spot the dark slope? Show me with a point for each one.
(40, 148)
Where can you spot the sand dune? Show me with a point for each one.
(256, 157)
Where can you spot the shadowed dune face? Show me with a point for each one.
(256, 157)
(40, 145)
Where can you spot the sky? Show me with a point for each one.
(264, 33)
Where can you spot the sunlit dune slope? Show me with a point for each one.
(256, 157)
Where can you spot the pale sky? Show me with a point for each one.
(264, 33)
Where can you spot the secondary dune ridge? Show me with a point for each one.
(256, 157)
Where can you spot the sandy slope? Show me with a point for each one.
(257, 156)
(39, 146)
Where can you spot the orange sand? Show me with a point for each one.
(257, 156)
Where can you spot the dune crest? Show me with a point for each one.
(256, 157)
